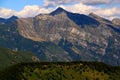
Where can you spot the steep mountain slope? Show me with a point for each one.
(10, 57)
(83, 37)
(10, 38)
(61, 71)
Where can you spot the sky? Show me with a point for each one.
(29, 8)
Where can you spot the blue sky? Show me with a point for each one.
(29, 8)
(19, 4)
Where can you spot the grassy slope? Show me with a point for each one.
(61, 71)
(10, 57)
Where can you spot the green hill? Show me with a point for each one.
(10, 57)
(61, 71)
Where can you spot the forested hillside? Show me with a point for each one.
(61, 71)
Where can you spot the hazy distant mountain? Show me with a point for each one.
(64, 36)
(11, 19)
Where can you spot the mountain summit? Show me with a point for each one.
(58, 11)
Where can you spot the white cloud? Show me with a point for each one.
(95, 2)
(80, 8)
(48, 3)
(6, 12)
(115, 1)
(109, 12)
(28, 11)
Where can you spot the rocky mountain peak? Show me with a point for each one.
(58, 11)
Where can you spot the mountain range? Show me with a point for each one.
(64, 36)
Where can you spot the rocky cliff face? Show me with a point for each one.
(46, 51)
(78, 36)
